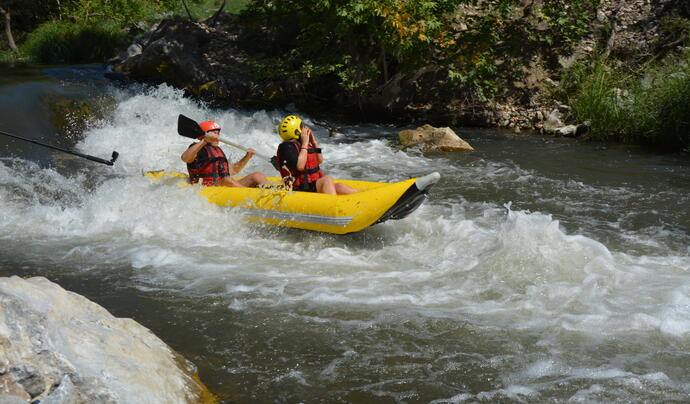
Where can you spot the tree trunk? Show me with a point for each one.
(8, 28)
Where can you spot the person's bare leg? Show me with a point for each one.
(325, 185)
(342, 189)
(249, 181)
(252, 180)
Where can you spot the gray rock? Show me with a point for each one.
(54, 339)
(134, 49)
(10, 387)
(64, 394)
(29, 378)
(553, 121)
(430, 138)
(601, 16)
(8, 399)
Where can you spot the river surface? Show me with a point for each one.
(539, 269)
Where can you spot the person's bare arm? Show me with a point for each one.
(312, 140)
(189, 155)
(303, 152)
(238, 166)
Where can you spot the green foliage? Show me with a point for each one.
(567, 21)
(50, 28)
(650, 109)
(366, 42)
(661, 105)
(66, 42)
(676, 29)
(122, 11)
(598, 98)
(26, 15)
(10, 56)
(201, 9)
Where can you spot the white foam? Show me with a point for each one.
(471, 261)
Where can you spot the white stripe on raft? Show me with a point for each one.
(298, 217)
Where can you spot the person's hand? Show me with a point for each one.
(312, 139)
(304, 136)
(307, 136)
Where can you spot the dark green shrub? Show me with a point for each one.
(58, 42)
(661, 111)
(598, 95)
(652, 109)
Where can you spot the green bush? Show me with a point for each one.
(481, 46)
(661, 108)
(9, 56)
(652, 108)
(202, 9)
(599, 96)
(58, 42)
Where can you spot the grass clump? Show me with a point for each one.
(596, 96)
(661, 111)
(651, 107)
(202, 9)
(57, 42)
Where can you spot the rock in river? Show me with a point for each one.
(58, 347)
(431, 138)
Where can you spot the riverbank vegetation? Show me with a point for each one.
(502, 51)
(416, 58)
(368, 46)
(85, 31)
(648, 107)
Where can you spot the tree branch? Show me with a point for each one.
(184, 3)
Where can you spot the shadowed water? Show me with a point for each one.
(539, 269)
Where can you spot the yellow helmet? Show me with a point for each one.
(290, 128)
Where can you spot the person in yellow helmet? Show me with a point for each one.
(207, 163)
(299, 158)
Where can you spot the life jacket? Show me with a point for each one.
(210, 165)
(301, 179)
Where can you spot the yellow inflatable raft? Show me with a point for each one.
(375, 202)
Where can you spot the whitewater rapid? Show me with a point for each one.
(486, 263)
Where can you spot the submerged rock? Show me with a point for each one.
(431, 138)
(58, 347)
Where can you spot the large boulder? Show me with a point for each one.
(203, 60)
(58, 347)
(430, 138)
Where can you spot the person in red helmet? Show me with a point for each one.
(207, 163)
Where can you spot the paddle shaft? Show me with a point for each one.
(86, 156)
(242, 148)
(188, 127)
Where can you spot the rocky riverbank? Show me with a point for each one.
(213, 60)
(59, 347)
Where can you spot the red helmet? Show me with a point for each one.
(209, 125)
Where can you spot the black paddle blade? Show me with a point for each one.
(188, 127)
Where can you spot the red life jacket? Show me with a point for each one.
(210, 165)
(302, 179)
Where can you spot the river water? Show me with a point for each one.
(539, 270)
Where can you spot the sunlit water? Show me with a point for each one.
(538, 270)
